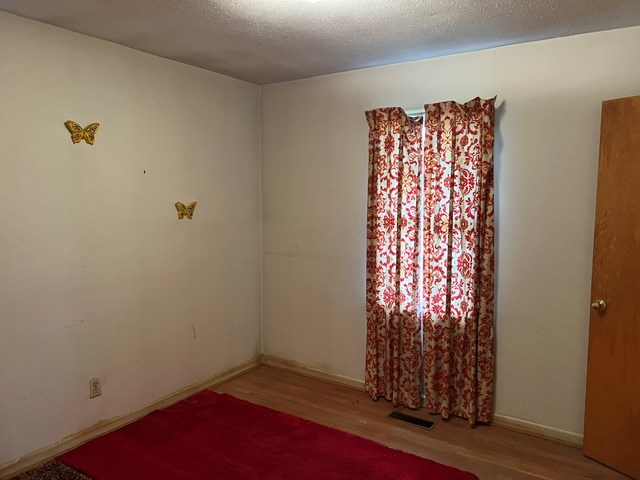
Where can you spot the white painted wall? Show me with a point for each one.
(98, 278)
(314, 178)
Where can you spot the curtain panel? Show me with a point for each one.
(430, 257)
(459, 258)
(393, 250)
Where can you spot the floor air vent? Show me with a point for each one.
(420, 422)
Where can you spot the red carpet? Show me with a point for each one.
(217, 436)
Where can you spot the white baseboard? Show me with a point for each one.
(502, 421)
(544, 431)
(312, 372)
(33, 459)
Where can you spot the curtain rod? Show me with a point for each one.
(415, 112)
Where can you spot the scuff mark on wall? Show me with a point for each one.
(35, 394)
(292, 255)
(75, 323)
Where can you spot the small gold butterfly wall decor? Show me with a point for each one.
(185, 211)
(88, 133)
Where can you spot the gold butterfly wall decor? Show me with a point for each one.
(88, 133)
(185, 211)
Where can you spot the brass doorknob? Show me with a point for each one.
(599, 305)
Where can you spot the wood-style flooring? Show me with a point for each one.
(491, 452)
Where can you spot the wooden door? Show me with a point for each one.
(612, 411)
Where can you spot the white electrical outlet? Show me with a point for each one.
(95, 388)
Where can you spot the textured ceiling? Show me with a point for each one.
(267, 41)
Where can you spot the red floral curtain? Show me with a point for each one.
(393, 240)
(430, 258)
(458, 259)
